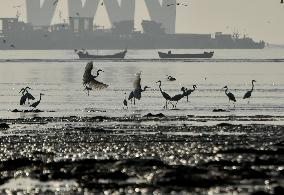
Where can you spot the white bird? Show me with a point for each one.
(90, 81)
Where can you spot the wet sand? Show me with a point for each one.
(142, 154)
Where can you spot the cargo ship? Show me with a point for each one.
(79, 32)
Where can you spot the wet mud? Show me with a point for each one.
(143, 154)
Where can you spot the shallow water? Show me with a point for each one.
(90, 144)
(61, 82)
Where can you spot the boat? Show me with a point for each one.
(85, 55)
(199, 55)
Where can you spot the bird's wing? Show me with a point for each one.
(88, 77)
(247, 95)
(137, 81)
(231, 96)
(23, 100)
(97, 85)
(30, 96)
(137, 93)
(131, 95)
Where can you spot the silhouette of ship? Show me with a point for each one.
(80, 32)
(199, 55)
(86, 55)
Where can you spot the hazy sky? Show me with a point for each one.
(260, 19)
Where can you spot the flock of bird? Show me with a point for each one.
(26, 97)
(90, 83)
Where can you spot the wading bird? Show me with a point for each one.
(230, 95)
(170, 78)
(25, 96)
(88, 89)
(166, 96)
(125, 101)
(137, 92)
(189, 91)
(89, 80)
(35, 104)
(248, 93)
(178, 97)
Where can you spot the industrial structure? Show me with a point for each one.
(79, 30)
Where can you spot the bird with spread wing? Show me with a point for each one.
(137, 91)
(89, 80)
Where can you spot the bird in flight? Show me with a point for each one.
(89, 80)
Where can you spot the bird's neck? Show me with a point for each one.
(160, 87)
(226, 91)
(252, 86)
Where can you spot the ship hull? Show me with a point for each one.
(119, 55)
(177, 56)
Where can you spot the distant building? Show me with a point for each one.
(80, 32)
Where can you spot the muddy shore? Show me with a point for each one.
(143, 154)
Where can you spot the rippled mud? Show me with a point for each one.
(142, 154)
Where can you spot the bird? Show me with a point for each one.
(35, 104)
(88, 89)
(282, 1)
(125, 101)
(248, 93)
(90, 81)
(189, 91)
(137, 91)
(4, 41)
(170, 78)
(178, 97)
(166, 96)
(12, 45)
(25, 96)
(229, 94)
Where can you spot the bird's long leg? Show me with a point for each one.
(134, 101)
(187, 98)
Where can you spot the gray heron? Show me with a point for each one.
(35, 104)
(137, 92)
(25, 95)
(170, 78)
(189, 91)
(248, 93)
(178, 97)
(125, 101)
(166, 96)
(90, 81)
(229, 94)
